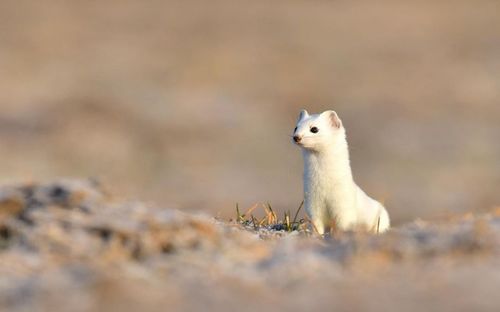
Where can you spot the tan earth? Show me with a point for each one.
(68, 246)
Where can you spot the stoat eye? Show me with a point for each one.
(295, 130)
(314, 130)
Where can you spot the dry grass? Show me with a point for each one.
(271, 221)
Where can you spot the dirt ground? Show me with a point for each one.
(69, 245)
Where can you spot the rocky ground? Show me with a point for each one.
(68, 245)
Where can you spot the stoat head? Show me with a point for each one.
(318, 131)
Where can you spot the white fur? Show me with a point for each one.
(331, 197)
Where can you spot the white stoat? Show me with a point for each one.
(331, 197)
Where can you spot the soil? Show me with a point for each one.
(70, 245)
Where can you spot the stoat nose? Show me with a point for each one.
(296, 138)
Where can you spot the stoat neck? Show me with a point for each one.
(330, 163)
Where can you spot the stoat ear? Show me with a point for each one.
(303, 114)
(333, 118)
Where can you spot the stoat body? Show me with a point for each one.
(331, 197)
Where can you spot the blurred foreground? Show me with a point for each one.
(68, 246)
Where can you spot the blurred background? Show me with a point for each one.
(190, 104)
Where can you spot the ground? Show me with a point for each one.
(70, 245)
